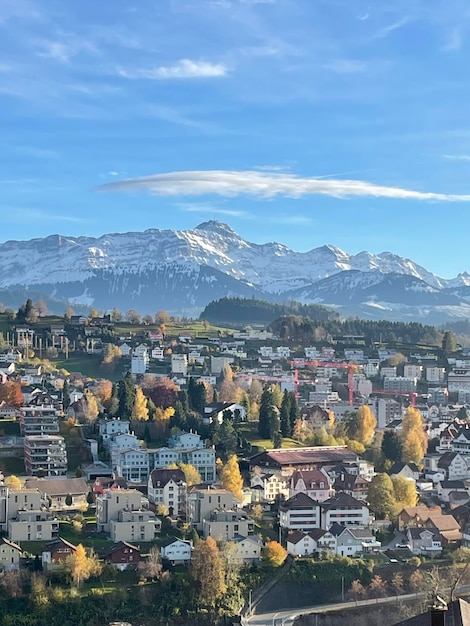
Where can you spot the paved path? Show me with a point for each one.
(287, 617)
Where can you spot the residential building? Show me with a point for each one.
(58, 550)
(134, 525)
(435, 374)
(33, 525)
(345, 510)
(179, 364)
(109, 428)
(425, 541)
(458, 380)
(461, 441)
(248, 548)
(39, 420)
(168, 487)
(307, 543)
(111, 502)
(56, 491)
(12, 501)
(123, 555)
(302, 458)
(351, 484)
(314, 483)
(400, 384)
(300, 512)
(10, 553)
(269, 487)
(410, 471)
(225, 524)
(203, 500)
(177, 551)
(413, 371)
(353, 541)
(45, 455)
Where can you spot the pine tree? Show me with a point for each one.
(286, 426)
(91, 407)
(391, 445)
(126, 394)
(66, 395)
(449, 343)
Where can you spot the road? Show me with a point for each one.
(287, 617)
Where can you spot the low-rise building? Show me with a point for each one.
(226, 524)
(345, 510)
(57, 491)
(135, 525)
(176, 551)
(33, 525)
(124, 556)
(10, 553)
(299, 513)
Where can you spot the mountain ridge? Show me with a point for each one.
(182, 270)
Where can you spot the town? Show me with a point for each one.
(187, 450)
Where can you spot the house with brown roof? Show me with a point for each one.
(355, 486)
(302, 458)
(56, 491)
(56, 551)
(123, 555)
(344, 509)
(299, 513)
(424, 517)
(315, 483)
(10, 553)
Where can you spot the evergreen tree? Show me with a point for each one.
(286, 427)
(197, 395)
(266, 413)
(294, 413)
(391, 445)
(449, 343)
(126, 395)
(227, 439)
(66, 395)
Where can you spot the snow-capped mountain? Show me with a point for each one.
(182, 271)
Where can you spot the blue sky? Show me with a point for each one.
(300, 121)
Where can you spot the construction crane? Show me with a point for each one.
(411, 394)
(350, 367)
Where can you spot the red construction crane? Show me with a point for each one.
(350, 367)
(411, 394)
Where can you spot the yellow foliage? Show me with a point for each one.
(140, 410)
(274, 553)
(404, 491)
(356, 446)
(366, 424)
(13, 482)
(163, 415)
(232, 479)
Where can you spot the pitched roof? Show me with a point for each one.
(311, 478)
(122, 544)
(337, 529)
(13, 545)
(446, 459)
(299, 501)
(341, 499)
(60, 542)
(58, 486)
(161, 477)
(304, 456)
(416, 533)
(452, 484)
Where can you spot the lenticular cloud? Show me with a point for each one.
(266, 185)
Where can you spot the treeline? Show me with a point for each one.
(300, 327)
(249, 311)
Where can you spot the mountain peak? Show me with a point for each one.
(214, 226)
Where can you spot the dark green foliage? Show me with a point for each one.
(66, 395)
(449, 343)
(267, 414)
(330, 570)
(228, 440)
(391, 445)
(197, 395)
(68, 499)
(248, 311)
(126, 395)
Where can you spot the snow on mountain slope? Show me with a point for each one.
(184, 270)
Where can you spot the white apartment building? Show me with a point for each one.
(179, 364)
(45, 455)
(141, 525)
(112, 501)
(435, 374)
(39, 420)
(168, 487)
(413, 371)
(108, 428)
(459, 380)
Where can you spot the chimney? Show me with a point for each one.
(438, 612)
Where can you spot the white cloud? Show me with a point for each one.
(267, 185)
(185, 68)
(386, 30)
(345, 66)
(456, 157)
(195, 207)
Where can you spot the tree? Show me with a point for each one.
(404, 491)
(162, 317)
(116, 315)
(13, 482)
(68, 313)
(449, 343)
(366, 424)
(377, 587)
(152, 567)
(227, 439)
(126, 394)
(381, 496)
(207, 572)
(257, 512)
(191, 474)
(66, 395)
(133, 317)
(90, 498)
(140, 410)
(232, 479)
(286, 426)
(10, 392)
(415, 440)
(392, 445)
(41, 308)
(357, 591)
(397, 583)
(196, 395)
(147, 320)
(81, 566)
(274, 554)
(91, 407)
(68, 499)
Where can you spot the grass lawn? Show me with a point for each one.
(9, 427)
(249, 430)
(12, 465)
(88, 365)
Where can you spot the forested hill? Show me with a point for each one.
(235, 311)
(298, 327)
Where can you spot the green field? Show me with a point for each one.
(85, 364)
(249, 430)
